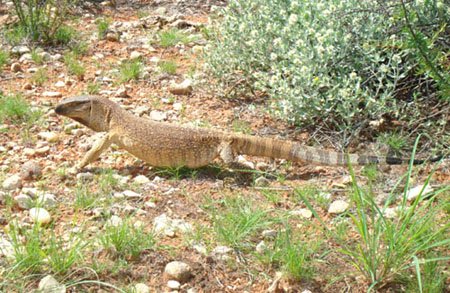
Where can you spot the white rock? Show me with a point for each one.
(20, 49)
(40, 215)
(155, 59)
(114, 221)
(304, 213)
(160, 11)
(158, 115)
(23, 201)
(150, 204)
(6, 249)
(12, 182)
(60, 83)
(49, 136)
(161, 224)
(85, 176)
(221, 250)
(178, 271)
(31, 191)
(47, 200)
(52, 94)
(182, 226)
(141, 179)
(262, 181)
(414, 192)
(184, 88)
(174, 285)
(141, 288)
(48, 284)
(390, 213)
(135, 55)
(269, 233)
(261, 247)
(200, 248)
(338, 207)
(131, 194)
(177, 106)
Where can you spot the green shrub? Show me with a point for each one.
(74, 67)
(172, 37)
(168, 66)
(4, 57)
(130, 70)
(42, 20)
(102, 27)
(15, 109)
(331, 62)
(64, 34)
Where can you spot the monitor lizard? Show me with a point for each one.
(163, 144)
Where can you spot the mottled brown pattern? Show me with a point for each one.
(169, 145)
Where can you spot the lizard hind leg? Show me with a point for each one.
(226, 153)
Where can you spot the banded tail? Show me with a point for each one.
(284, 149)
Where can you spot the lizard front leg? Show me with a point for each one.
(99, 147)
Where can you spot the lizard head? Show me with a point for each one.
(93, 112)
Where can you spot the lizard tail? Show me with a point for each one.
(282, 149)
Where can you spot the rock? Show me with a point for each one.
(40, 216)
(178, 271)
(23, 201)
(184, 88)
(7, 249)
(47, 200)
(31, 170)
(304, 213)
(200, 248)
(12, 182)
(414, 192)
(270, 234)
(122, 92)
(60, 83)
(162, 224)
(155, 59)
(390, 213)
(27, 86)
(160, 11)
(48, 284)
(31, 191)
(150, 204)
(246, 164)
(197, 49)
(52, 94)
(141, 288)
(221, 250)
(141, 179)
(85, 176)
(49, 136)
(338, 207)
(135, 55)
(158, 115)
(177, 106)
(262, 181)
(261, 247)
(43, 150)
(174, 285)
(45, 56)
(112, 36)
(56, 57)
(15, 67)
(131, 194)
(114, 221)
(20, 50)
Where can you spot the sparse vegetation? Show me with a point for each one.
(130, 70)
(4, 58)
(36, 57)
(14, 109)
(40, 77)
(172, 37)
(168, 66)
(102, 27)
(74, 66)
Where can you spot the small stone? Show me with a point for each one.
(177, 106)
(178, 271)
(304, 213)
(161, 11)
(60, 83)
(7, 249)
(150, 204)
(197, 49)
(269, 234)
(174, 285)
(158, 115)
(131, 194)
(56, 57)
(31, 170)
(40, 216)
(27, 86)
(338, 207)
(246, 164)
(414, 192)
(222, 250)
(112, 36)
(85, 176)
(122, 92)
(184, 88)
(43, 150)
(141, 179)
(31, 191)
(25, 58)
(45, 56)
(261, 247)
(135, 55)
(262, 181)
(49, 136)
(20, 50)
(141, 288)
(162, 223)
(200, 248)
(23, 201)
(155, 59)
(114, 221)
(12, 182)
(47, 200)
(390, 213)
(15, 67)
(52, 94)
(48, 284)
